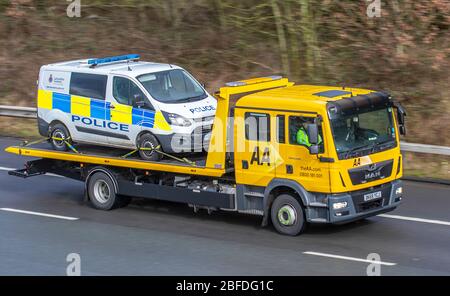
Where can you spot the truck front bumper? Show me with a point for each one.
(350, 206)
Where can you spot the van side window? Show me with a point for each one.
(88, 85)
(126, 91)
(257, 127)
(298, 125)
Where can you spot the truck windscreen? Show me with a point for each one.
(363, 133)
(172, 86)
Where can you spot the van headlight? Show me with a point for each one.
(175, 119)
(399, 190)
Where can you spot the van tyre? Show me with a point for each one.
(288, 216)
(148, 141)
(102, 194)
(59, 131)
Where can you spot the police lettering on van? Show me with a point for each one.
(122, 102)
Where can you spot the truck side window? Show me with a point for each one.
(297, 131)
(257, 127)
(281, 130)
(125, 91)
(88, 85)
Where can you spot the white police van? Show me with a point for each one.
(126, 103)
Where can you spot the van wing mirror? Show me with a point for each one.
(313, 133)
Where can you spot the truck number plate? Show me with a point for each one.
(372, 196)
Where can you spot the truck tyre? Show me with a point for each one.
(59, 131)
(102, 194)
(287, 215)
(148, 141)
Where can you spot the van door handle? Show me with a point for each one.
(112, 107)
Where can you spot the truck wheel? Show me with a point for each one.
(59, 131)
(148, 141)
(102, 194)
(287, 215)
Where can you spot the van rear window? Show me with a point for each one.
(88, 85)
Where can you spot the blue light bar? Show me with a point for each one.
(127, 57)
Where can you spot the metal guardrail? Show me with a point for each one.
(424, 148)
(30, 112)
(15, 111)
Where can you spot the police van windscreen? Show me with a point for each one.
(172, 86)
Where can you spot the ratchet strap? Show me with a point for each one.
(157, 150)
(66, 141)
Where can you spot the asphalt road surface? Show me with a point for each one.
(162, 238)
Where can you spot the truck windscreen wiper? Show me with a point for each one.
(354, 149)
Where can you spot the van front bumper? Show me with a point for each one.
(351, 206)
(182, 143)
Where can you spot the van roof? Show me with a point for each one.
(119, 67)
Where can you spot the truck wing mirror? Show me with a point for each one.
(314, 149)
(401, 114)
(313, 133)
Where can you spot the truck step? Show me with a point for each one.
(24, 173)
(254, 194)
(318, 205)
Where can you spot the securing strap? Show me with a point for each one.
(26, 143)
(157, 150)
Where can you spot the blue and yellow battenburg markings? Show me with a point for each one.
(97, 109)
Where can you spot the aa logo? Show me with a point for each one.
(260, 160)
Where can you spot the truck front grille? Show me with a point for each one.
(365, 206)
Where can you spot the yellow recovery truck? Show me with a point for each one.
(294, 154)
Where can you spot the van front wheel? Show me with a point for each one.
(148, 142)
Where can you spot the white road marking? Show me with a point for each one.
(6, 169)
(440, 222)
(349, 258)
(12, 169)
(39, 214)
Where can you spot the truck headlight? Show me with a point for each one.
(175, 119)
(339, 205)
(399, 190)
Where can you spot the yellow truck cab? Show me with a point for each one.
(349, 171)
(294, 154)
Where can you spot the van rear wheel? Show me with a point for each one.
(148, 142)
(58, 135)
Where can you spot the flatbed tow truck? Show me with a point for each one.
(255, 164)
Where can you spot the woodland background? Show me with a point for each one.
(406, 51)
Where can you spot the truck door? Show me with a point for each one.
(295, 162)
(127, 119)
(254, 149)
